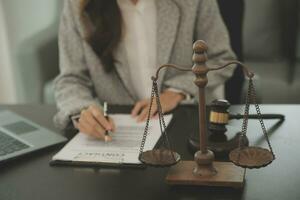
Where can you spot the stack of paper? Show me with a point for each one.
(124, 148)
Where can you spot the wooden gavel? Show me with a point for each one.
(219, 118)
(219, 113)
(220, 140)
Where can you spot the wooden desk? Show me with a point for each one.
(31, 177)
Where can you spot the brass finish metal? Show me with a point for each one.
(251, 157)
(219, 118)
(204, 171)
(228, 175)
(203, 158)
(204, 161)
(160, 157)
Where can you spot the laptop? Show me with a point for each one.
(19, 136)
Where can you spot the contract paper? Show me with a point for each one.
(123, 149)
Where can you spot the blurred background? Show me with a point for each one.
(265, 35)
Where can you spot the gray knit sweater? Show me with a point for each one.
(82, 80)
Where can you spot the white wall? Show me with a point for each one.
(31, 27)
(7, 82)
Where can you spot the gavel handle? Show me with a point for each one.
(255, 116)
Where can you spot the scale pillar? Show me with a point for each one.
(204, 158)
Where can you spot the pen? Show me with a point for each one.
(106, 117)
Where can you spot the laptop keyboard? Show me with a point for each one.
(10, 144)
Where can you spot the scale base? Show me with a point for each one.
(228, 175)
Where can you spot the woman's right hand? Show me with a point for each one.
(93, 123)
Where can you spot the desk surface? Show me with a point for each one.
(31, 177)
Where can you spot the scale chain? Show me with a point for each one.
(245, 120)
(260, 117)
(246, 114)
(251, 98)
(162, 120)
(148, 121)
(162, 124)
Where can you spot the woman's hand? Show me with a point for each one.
(168, 99)
(93, 123)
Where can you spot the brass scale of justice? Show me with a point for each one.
(204, 170)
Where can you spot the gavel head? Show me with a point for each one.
(218, 120)
(219, 114)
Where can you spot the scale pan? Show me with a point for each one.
(160, 158)
(251, 157)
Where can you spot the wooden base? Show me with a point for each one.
(228, 175)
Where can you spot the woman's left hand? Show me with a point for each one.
(168, 99)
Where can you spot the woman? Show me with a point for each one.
(109, 49)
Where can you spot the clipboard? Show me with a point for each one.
(54, 163)
(100, 157)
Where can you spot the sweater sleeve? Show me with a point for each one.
(73, 86)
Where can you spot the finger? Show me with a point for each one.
(111, 121)
(76, 123)
(96, 129)
(145, 112)
(107, 138)
(82, 129)
(82, 124)
(155, 116)
(91, 125)
(99, 132)
(98, 115)
(85, 129)
(152, 114)
(137, 108)
(87, 117)
(96, 132)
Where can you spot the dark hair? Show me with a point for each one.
(106, 17)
